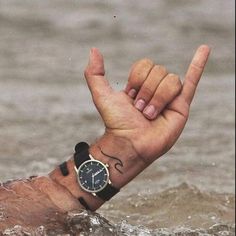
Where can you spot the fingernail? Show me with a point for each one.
(140, 104)
(150, 111)
(132, 93)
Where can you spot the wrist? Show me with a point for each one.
(70, 183)
(119, 153)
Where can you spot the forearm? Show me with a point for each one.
(122, 159)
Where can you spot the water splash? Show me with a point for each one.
(164, 214)
(92, 224)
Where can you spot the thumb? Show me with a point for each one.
(94, 74)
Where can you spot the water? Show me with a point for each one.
(92, 224)
(45, 107)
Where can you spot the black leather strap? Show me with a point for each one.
(64, 169)
(81, 154)
(84, 203)
(82, 146)
(108, 192)
(79, 147)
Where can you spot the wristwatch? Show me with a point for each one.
(93, 175)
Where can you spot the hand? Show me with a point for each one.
(151, 135)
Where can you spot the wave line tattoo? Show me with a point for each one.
(119, 163)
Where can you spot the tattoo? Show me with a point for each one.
(119, 163)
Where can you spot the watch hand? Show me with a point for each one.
(93, 181)
(98, 172)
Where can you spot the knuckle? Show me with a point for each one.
(179, 85)
(159, 99)
(175, 81)
(146, 92)
(146, 61)
(173, 77)
(135, 82)
(161, 68)
(86, 72)
(197, 65)
(95, 93)
(192, 81)
(144, 65)
(140, 71)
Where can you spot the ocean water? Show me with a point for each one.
(46, 108)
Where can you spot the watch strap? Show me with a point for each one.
(64, 169)
(79, 147)
(82, 146)
(81, 154)
(84, 203)
(108, 192)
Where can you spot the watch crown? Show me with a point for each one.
(107, 165)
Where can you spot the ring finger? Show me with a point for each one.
(149, 86)
(168, 89)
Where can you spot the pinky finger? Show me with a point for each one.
(194, 73)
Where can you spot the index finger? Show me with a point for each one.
(194, 73)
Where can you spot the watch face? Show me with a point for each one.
(93, 176)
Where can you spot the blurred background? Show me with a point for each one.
(46, 108)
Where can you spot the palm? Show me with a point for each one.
(122, 119)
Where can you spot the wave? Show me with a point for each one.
(181, 210)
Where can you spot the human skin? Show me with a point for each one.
(142, 122)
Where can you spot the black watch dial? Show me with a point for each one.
(93, 176)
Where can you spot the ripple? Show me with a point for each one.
(182, 210)
(93, 224)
